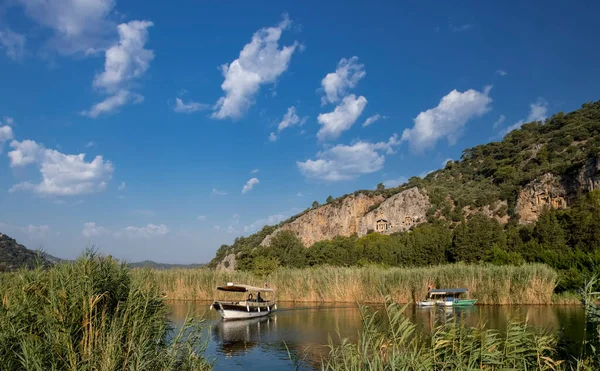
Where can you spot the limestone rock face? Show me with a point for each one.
(552, 191)
(340, 218)
(402, 211)
(227, 264)
(544, 192)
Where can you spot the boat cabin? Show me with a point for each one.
(238, 301)
(446, 293)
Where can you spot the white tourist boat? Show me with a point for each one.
(258, 301)
(447, 298)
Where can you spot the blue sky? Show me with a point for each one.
(204, 121)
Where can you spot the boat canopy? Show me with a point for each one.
(447, 291)
(243, 288)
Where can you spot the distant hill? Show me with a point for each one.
(543, 165)
(14, 255)
(155, 265)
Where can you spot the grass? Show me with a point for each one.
(92, 314)
(503, 285)
(396, 344)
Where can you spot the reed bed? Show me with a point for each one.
(490, 284)
(92, 314)
(396, 344)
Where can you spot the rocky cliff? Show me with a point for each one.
(339, 218)
(556, 191)
(399, 213)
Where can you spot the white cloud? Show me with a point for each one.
(79, 25)
(346, 76)
(201, 218)
(113, 103)
(216, 192)
(537, 112)
(90, 144)
(371, 120)
(13, 44)
(254, 171)
(501, 72)
(249, 185)
(151, 230)
(62, 175)
(90, 229)
(460, 28)
(344, 162)
(124, 62)
(392, 183)
(291, 118)
(6, 134)
(260, 62)
(36, 231)
(448, 119)
(270, 220)
(499, 121)
(342, 118)
(272, 137)
(189, 107)
(122, 186)
(300, 194)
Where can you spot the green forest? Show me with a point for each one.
(567, 240)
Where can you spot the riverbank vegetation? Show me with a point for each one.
(490, 284)
(91, 314)
(567, 240)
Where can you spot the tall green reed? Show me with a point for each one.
(92, 314)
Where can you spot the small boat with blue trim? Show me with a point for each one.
(252, 306)
(447, 298)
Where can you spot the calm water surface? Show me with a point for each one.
(297, 334)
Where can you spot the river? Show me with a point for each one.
(296, 336)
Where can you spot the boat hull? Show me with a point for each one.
(235, 312)
(465, 302)
(426, 303)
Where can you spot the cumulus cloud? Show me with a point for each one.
(260, 62)
(189, 107)
(272, 137)
(344, 162)
(347, 74)
(13, 44)
(537, 112)
(6, 134)
(216, 192)
(342, 118)
(448, 119)
(151, 230)
(113, 103)
(290, 118)
(122, 186)
(392, 183)
(501, 72)
(78, 25)
(254, 171)
(62, 175)
(91, 229)
(371, 120)
(249, 185)
(124, 62)
(499, 121)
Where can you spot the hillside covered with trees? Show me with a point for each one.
(565, 146)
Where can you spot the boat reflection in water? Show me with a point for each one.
(234, 338)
